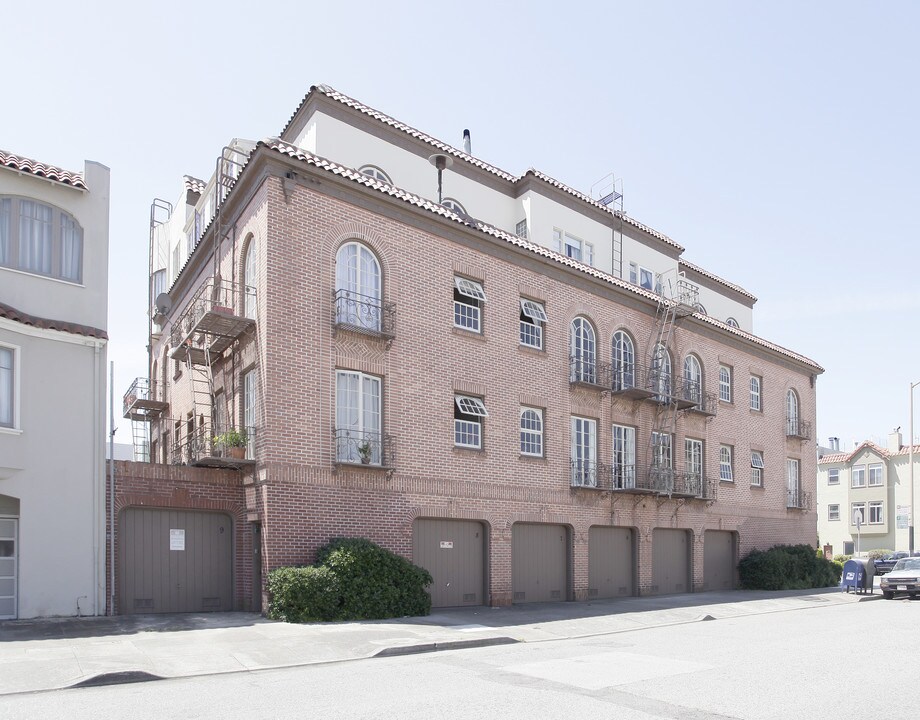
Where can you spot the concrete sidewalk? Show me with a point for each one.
(49, 654)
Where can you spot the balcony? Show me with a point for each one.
(700, 401)
(796, 499)
(212, 320)
(630, 380)
(589, 373)
(140, 403)
(797, 428)
(634, 479)
(363, 314)
(203, 447)
(369, 449)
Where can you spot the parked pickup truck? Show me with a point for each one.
(884, 564)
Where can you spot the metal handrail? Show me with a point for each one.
(587, 372)
(363, 313)
(214, 295)
(798, 428)
(358, 447)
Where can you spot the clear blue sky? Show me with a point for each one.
(778, 142)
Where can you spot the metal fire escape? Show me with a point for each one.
(669, 398)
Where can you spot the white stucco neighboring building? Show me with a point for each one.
(54, 238)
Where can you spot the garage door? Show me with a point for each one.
(175, 561)
(453, 551)
(718, 560)
(611, 562)
(670, 561)
(539, 562)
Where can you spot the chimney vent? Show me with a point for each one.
(467, 145)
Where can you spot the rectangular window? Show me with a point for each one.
(521, 229)
(469, 298)
(584, 452)
(858, 476)
(693, 462)
(833, 512)
(725, 383)
(533, 316)
(661, 473)
(755, 393)
(5, 212)
(573, 247)
(875, 475)
(250, 407)
(643, 277)
(875, 512)
(532, 432)
(794, 496)
(725, 464)
(756, 468)
(7, 387)
(71, 249)
(833, 476)
(358, 437)
(858, 511)
(624, 457)
(468, 417)
(35, 237)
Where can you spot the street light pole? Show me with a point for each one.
(910, 531)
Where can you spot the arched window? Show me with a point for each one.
(357, 287)
(40, 239)
(660, 372)
(531, 432)
(697, 307)
(693, 379)
(792, 413)
(731, 322)
(583, 352)
(624, 361)
(452, 204)
(249, 280)
(376, 173)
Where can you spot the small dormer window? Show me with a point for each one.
(731, 322)
(376, 173)
(454, 206)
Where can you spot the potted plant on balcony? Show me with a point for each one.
(234, 441)
(365, 452)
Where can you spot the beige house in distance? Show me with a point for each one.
(54, 238)
(874, 482)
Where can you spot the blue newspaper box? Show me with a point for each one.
(858, 574)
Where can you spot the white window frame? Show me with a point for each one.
(642, 276)
(358, 287)
(531, 431)
(833, 512)
(876, 512)
(624, 361)
(693, 378)
(757, 468)
(468, 312)
(833, 476)
(756, 394)
(858, 476)
(584, 451)
(521, 229)
(583, 350)
(532, 321)
(725, 383)
(693, 459)
(52, 248)
(375, 172)
(10, 382)
(731, 322)
(250, 409)
(793, 477)
(876, 477)
(726, 471)
(573, 247)
(361, 421)
(623, 451)
(792, 413)
(249, 280)
(454, 206)
(861, 507)
(468, 428)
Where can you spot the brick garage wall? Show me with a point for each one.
(183, 488)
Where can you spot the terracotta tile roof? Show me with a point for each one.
(12, 313)
(905, 450)
(40, 169)
(289, 150)
(846, 457)
(194, 184)
(450, 150)
(726, 283)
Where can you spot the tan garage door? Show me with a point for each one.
(718, 560)
(539, 562)
(175, 561)
(453, 551)
(611, 562)
(670, 561)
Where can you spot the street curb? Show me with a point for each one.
(447, 645)
(123, 677)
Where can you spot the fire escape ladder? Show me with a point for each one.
(662, 381)
(201, 380)
(140, 436)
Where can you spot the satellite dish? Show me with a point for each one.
(163, 303)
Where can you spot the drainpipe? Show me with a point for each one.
(111, 518)
(96, 475)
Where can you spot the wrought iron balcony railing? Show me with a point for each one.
(797, 499)
(208, 445)
(359, 447)
(364, 313)
(219, 308)
(637, 479)
(141, 402)
(589, 372)
(798, 428)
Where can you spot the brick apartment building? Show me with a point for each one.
(509, 382)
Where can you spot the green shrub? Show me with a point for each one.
(787, 567)
(878, 554)
(353, 579)
(303, 594)
(841, 559)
